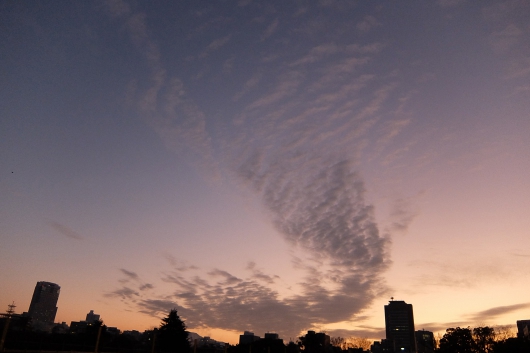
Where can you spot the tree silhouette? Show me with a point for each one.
(315, 342)
(359, 342)
(172, 335)
(512, 345)
(484, 339)
(339, 342)
(457, 340)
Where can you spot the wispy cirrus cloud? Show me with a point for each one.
(402, 215)
(129, 274)
(214, 45)
(521, 255)
(508, 36)
(361, 331)
(484, 317)
(461, 274)
(368, 23)
(495, 312)
(163, 99)
(271, 28)
(65, 230)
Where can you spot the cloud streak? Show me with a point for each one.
(164, 101)
(495, 312)
(66, 231)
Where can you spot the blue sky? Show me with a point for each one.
(278, 166)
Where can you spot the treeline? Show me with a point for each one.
(481, 340)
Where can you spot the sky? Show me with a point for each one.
(272, 166)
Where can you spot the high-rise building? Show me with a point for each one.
(248, 337)
(43, 305)
(523, 328)
(399, 322)
(425, 341)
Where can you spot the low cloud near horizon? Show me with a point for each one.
(221, 300)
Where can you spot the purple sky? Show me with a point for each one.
(268, 166)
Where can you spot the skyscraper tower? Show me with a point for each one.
(43, 305)
(399, 322)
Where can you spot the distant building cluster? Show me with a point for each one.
(43, 309)
(91, 319)
(207, 342)
(248, 337)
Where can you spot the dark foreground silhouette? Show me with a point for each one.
(172, 337)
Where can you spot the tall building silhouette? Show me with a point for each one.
(399, 322)
(91, 317)
(425, 341)
(43, 305)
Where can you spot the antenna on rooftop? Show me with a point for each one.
(11, 309)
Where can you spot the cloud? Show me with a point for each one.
(441, 326)
(270, 29)
(177, 264)
(317, 53)
(163, 100)
(151, 306)
(402, 215)
(215, 45)
(146, 286)
(326, 215)
(368, 332)
(124, 293)
(368, 23)
(518, 68)
(248, 304)
(312, 194)
(129, 274)
(253, 303)
(495, 312)
(504, 330)
(390, 129)
(319, 208)
(506, 38)
(521, 90)
(229, 279)
(261, 276)
(251, 83)
(450, 3)
(460, 274)
(521, 255)
(294, 143)
(118, 7)
(66, 231)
